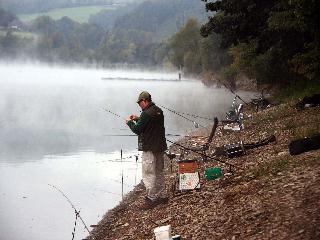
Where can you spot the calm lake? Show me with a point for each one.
(54, 131)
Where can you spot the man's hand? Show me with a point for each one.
(133, 117)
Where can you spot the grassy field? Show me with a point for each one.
(79, 14)
(20, 34)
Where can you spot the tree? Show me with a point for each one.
(273, 41)
(115, 50)
(297, 23)
(9, 45)
(185, 47)
(44, 25)
(238, 21)
(213, 57)
(6, 17)
(66, 39)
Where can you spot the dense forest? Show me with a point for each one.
(125, 35)
(273, 43)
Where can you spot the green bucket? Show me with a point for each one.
(212, 173)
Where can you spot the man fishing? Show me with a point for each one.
(151, 140)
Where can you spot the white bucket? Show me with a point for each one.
(163, 232)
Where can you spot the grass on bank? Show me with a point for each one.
(79, 14)
(298, 90)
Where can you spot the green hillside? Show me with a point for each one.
(79, 14)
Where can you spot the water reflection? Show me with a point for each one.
(31, 209)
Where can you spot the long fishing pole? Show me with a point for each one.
(117, 115)
(196, 116)
(69, 201)
(233, 92)
(131, 135)
(135, 157)
(195, 151)
(193, 115)
(194, 122)
(190, 120)
(134, 135)
(119, 161)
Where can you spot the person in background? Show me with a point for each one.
(149, 127)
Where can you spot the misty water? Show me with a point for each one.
(54, 131)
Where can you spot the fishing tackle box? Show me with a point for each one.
(188, 176)
(212, 173)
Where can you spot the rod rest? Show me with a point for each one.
(203, 148)
(170, 155)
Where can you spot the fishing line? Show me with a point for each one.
(196, 124)
(116, 181)
(105, 191)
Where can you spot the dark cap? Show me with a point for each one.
(144, 96)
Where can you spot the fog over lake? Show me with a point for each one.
(54, 130)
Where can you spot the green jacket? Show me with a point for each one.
(150, 129)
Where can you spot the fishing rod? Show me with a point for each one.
(200, 153)
(117, 115)
(69, 201)
(229, 88)
(134, 135)
(192, 115)
(196, 125)
(120, 129)
(130, 135)
(118, 160)
(197, 116)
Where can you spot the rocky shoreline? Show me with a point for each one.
(268, 195)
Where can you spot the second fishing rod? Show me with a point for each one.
(180, 114)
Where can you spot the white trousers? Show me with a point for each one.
(152, 174)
